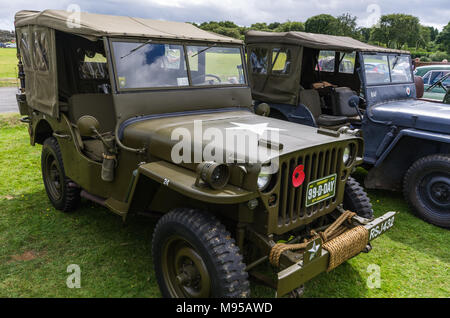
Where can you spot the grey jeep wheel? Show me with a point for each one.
(62, 195)
(426, 187)
(195, 257)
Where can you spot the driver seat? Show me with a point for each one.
(310, 99)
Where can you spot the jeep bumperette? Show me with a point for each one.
(334, 81)
(115, 101)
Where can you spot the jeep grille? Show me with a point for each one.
(290, 210)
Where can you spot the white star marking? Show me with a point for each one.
(313, 250)
(258, 129)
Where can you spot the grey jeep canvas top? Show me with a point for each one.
(99, 25)
(315, 41)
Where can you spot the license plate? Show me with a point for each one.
(381, 225)
(321, 189)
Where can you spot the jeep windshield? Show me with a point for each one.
(141, 65)
(387, 68)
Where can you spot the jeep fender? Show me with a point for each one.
(414, 133)
(181, 183)
(407, 147)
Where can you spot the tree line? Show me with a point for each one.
(6, 36)
(399, 31)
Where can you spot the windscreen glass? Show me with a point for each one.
(385, 69)
(147, 65)
(211, 65)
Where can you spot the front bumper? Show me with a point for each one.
(297, 274)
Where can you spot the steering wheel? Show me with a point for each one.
(207, 75)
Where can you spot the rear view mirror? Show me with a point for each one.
(353, 101)
(88, 126)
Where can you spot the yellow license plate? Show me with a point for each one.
(321, 189)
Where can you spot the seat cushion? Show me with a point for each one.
(311, 99)
(328, 120)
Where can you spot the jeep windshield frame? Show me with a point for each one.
(186, 77)
(387, 63)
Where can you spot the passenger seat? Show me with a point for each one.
(311, 99)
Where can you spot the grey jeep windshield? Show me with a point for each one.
(387, 68)
(155, 65)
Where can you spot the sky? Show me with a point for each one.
(434, 13)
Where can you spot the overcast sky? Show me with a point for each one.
(243, 12)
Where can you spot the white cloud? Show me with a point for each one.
(243, 12)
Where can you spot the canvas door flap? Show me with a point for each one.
(37, 49)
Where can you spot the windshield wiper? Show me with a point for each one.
(395, 62)
(205, 49)
(137, 48)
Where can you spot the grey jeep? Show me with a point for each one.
(338, 83)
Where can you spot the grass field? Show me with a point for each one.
(8, 67)
(37, 243)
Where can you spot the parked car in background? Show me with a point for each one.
(2, 45)
(438, 91)
(11, 45)
(422, 70)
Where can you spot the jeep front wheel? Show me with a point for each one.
(426, 188)
(194, 256)
(356, 199)
(62, 195)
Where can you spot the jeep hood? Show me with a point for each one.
(155, 133)
(416, 113)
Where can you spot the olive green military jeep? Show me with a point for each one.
(127, 109)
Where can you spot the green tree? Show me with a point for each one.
(260, 27)
(433, 33)
(365, 34)
(396, 30)
(274, 25)
(346, 25)
(443, 39)
(424, 37)
(322, 23)
(290, 26)
(226, 28)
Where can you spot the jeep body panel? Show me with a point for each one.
(159, 130)
(417, 114)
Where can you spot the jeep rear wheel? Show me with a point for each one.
(426, 188)
(194, 256)
(356, 199)
(62, 195)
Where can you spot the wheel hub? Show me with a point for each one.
(437, 189)
(53, 177)
(440, 190)
(186, 272)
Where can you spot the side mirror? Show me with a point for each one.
(88, 126)
(262, 109)
(353, 101)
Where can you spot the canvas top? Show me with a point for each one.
(315, 41)
(98, 25)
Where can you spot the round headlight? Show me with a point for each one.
(264, 180)
(214, 174)
(346, 155)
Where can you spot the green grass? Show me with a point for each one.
(8, 67)
(37, 243)
(222, 65)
